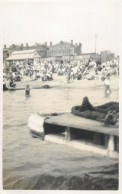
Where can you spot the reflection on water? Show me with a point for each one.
(27, 96)
(29, 163)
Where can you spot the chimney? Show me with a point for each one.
(71, 42)
(50, 43)
(45, 43)
(27, 45)
(13, 46)
(4, 46)
(80, 45)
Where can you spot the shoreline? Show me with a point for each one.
(61, 81)
(93, 89)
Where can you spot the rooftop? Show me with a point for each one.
(21, 55)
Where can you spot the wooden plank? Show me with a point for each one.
(70, 120)
(82, 145)
(111, 143)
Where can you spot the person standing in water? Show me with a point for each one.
(27, 90)
(68, 73)
(107, 86)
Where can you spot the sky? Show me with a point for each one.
(55, 20)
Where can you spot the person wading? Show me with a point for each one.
(68, 73)
(27, 90)
(107, 86)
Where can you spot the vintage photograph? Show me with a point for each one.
(60, 95)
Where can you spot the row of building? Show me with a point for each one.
(61, 52)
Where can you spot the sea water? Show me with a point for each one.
(29, 163)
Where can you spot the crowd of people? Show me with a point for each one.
(44, 71)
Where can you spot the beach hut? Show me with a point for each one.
(30, 56)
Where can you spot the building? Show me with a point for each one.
(87, 57)
(40, 48)
(28, 56)
(63, 51)
(60, 53)
(106, 56)
(5, 53)
(91, 56)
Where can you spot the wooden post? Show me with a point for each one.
(68, 134)
(111, 143)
